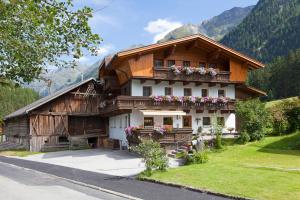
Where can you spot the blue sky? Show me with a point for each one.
(123, 23)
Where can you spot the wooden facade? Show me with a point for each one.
(69, 119)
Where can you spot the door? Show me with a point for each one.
(187, 121)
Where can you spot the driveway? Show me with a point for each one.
(111, 162)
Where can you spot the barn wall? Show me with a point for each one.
(16, 130)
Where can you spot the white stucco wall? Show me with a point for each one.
(159, 89)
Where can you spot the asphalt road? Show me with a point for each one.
(18, 183)
(124, 185)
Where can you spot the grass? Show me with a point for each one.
(277, 102)
(269, 169)
(19, 153)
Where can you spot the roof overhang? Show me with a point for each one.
(145, 49)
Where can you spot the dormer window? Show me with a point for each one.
(186, 63)
(158, 63)
(171, 63)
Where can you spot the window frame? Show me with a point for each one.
(208, 121)
(149, 126)
(172, 121)
(190, 89)
(144, 87)
(168, 65)
(207, 93)
(224, 93)
(161, 60)
(186, 61)
(171, 91)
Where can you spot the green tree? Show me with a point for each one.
(13, 97)
(253, 118)
(37, 33)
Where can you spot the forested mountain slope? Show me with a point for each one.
(271, 29)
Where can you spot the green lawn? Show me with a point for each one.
(19, 153)
(269, 169)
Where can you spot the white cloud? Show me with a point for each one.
(161, 27)
(105, 49)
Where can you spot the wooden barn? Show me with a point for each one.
(67, 118)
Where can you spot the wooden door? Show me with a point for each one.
(187, 121)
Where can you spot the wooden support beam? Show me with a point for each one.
(171, 82)
(198, 83)
(185, 83)
(143, 81)
(158, 81)
(137, 57)
(224, 85)
(211, 84)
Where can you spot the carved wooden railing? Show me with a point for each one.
(138, 102)
(174, 136)
(167, 74)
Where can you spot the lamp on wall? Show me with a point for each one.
(197, 120)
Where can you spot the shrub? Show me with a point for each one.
(243, 138)
(153, 155)
(196, 158)
(293, 119)
(253, 118)
(218, 141)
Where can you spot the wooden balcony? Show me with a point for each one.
(176, 136)
(164, 73)
(127, 103)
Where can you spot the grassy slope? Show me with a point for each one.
(260, 170)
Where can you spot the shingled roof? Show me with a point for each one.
(25, 110)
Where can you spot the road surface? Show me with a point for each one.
(21, 184)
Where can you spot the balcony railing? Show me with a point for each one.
(174, 136)
(166, 74)
(122, 103)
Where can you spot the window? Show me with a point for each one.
(168, 121)
(171, 62)
(221, 93)
(158, 63)
(63, 139)
(187, 91)
(168, 91)
(206, 121)
(147, 91)
(187, 121)
(221, 121)
(148, 122)
(201, 64)
(186, 63)
(204, 93)
(212, 65)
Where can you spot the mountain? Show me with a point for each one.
(270, 33)
(215, 27)
(272, 29)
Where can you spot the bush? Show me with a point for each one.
(253, 118)
(293, 119)
(197, 158)
(153, 155)
(218, 141)
(243, 138)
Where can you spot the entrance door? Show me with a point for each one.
(187, 121)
